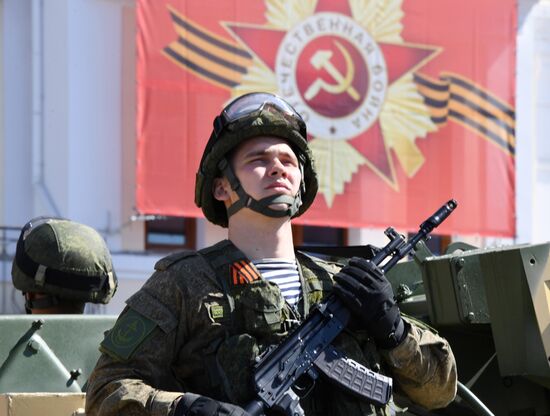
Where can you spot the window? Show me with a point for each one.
(170, 233)
(306, 235)
(437, 244)
(322, 237)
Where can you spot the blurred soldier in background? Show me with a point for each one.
(60, 265)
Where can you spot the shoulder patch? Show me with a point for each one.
(168, 261)
(130, 330)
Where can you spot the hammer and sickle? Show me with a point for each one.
(321, 60)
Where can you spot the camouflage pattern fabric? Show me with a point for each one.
(200, 344)
(70, 247)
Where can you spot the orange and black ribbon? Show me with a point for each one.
(243, 272)
(461, 100)
(206, 54)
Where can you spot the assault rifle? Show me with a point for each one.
(287, 371)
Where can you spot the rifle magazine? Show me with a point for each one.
(354, 377)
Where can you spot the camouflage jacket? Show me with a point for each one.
(198, 323)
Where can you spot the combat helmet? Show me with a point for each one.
(251, 115)
(65, 260)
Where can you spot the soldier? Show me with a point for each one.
(60, 265)
(186, 342)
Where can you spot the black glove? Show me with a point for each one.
(191, 404)
(362, 286)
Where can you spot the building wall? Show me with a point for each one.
(67, 130)
(68, 143)
(1, 110)
(533, 121)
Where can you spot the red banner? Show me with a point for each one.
(408, 103)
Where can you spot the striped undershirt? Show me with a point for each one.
(285, 274)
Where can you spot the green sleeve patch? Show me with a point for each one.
(130, 330)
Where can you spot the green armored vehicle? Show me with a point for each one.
(45, 361)
(491, 304)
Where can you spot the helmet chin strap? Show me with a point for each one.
(47, 301)
(261, 206)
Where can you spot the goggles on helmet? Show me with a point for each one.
(253, 104)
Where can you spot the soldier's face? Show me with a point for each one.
(266, 166)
